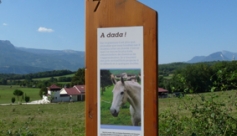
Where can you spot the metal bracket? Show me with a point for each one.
(96, 7)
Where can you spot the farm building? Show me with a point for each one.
(54, 92)
(162, 93)
(75, 93)
(81, 89)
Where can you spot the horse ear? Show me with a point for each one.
(113, 79)
(122, 80)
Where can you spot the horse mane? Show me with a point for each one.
(132, 83)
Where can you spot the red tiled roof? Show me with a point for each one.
(162, 90)
(72, 91)
(80, 88)
(54, 87)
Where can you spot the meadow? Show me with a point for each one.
(6, 93)
(61, 119)
(48, 78)
(39, 120)
(188, 101)
(177, 116)
(212, 114)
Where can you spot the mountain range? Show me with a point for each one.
(216, 56)
(20, 60)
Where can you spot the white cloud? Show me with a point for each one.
(44, 29)
(5, 24)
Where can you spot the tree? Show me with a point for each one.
(3, 81)
(225, 77)
(18, 93)
(43, 91)
(105, 79)
(27, 98)
(52, 79)
(192, 78)
(161, 81)
(13, 99)
(79, 77)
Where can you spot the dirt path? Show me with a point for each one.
(33, 102)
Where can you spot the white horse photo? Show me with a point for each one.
(127, 91)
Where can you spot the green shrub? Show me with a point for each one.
(27, 98)
(13, 99)
(204, 115)
(18, 93)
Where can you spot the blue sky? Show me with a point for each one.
(187, 28)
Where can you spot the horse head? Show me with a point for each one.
(119, 97)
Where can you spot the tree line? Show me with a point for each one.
(198, 77)
(27, 80)
(202, 77)
(35, 75)
(167, 69)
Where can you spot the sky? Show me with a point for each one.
(186, 28)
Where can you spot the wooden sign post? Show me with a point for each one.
(121, 35)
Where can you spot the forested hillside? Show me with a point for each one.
(182, 77)
(167, 69)
(35, 75)
(44, 79)
(199, 77)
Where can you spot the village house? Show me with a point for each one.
(162, 93)
(54, 93)
(75, 93)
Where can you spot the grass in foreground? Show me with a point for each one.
(68, 118)
(181, 104)
(199, 114)
(60, 119)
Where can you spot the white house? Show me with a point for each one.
(81, 89)
(75, 93)
(54, 93)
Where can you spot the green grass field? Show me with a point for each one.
(6, 93)
(174, 104)
(213, 114)
(68, 118)
(48, 78)
(169, 76)
(61, 119)
(64, 83)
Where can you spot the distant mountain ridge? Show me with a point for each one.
(216, 56)
(20, 60)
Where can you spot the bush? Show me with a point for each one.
(43, 91)
(13, 99)
(18, 93)
(206, 115)
(27, 98)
